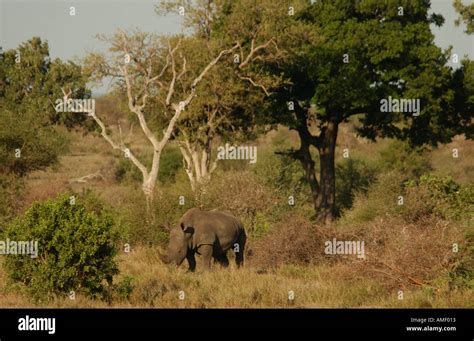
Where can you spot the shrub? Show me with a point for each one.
(293, 241)
(171, 162)
(11, 188)
(400, 156)
(380, 200)
(280, 170)
(447, 198)
(75, 249)
(39, 146)
(257, 205)
(94, 203)
(277, 169)
(429, 195)
(462, 271)
(126, 172)
(352, 176)
(168, 210)
(400, 253)
(124, 288)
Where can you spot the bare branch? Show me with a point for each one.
(123, 148)
(66, 95)
(171, 53)
(256, 84)
(137, 110)
(253, 50)
(211, 64)
(173, 79)
(182, 105)
(183, 71)
(162, 72)
(213, 167)
(120, 133)
(188, 165)
(85, 178)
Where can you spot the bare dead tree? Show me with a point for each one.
(196, 150)
(139, 73)
(197, 161)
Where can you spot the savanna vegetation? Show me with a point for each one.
(302, 84)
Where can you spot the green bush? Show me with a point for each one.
(126, 172)
(400, 156)
(257, 205)
(94, 203)
(26, 146)
(288, 173)
(428, 195)
(283, 175)
(171, 162)
(123, 289)
(352, 176)
(462, 271)
(379, 201)
(75, 249)
(445, 197)
(11, 188)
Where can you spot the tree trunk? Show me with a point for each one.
(323, 193)
(149, 185)
(197, 163)
(309, 171)
(148, 188)
(326, 202)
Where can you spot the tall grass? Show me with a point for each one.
(157, 285)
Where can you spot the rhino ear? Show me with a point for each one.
(187, 229)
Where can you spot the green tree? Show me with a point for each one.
(363, 52)
(29, 139)
(463, 84)
(29, 84)
(466, 13)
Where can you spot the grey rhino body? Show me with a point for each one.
(207, 233)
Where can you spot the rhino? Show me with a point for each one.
(209, 234)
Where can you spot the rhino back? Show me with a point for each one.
(214, 227)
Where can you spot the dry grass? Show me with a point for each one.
(402, 255)
(293, 241)
(159, 286)
(398, 254)
(461, 168)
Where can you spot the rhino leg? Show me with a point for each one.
(191, 261)
(239, 256)
(222, 260)
(206, 252)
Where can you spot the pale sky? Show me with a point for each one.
(73, 36)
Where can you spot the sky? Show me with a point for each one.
(71, 37)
